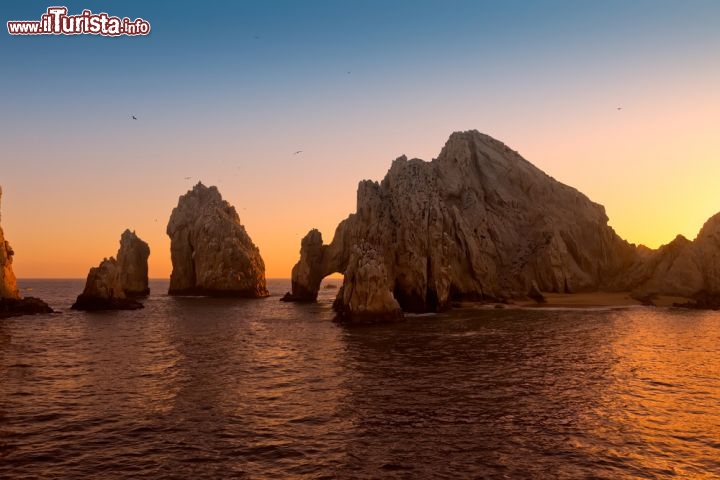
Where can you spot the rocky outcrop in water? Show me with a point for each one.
(211, 252)
(8, 284)
(316, 262)
(11, 302)
(104, 289)
(367, 293)
(132, 260)
(110, 285)
(478, 223)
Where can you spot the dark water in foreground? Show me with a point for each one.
(220, 388)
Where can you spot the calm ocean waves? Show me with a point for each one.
(222, 388)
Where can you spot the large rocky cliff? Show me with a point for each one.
(11, 302)
(8, 284)
(478, 222)
(211, 252)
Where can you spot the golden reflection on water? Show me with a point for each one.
(664, 397)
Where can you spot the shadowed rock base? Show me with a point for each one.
(92, 303)
(702, 301)
(13, 307)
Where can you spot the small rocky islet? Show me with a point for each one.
(211, 252)
(478, 223)
(115, 284)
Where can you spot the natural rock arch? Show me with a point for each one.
(478, 222)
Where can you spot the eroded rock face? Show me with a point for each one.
(479, 222)
(132, 260)
(367, 295)
(11, 302)
(316, 262)
(211, 252)
(8, 284)
(104, 289)
(683, 268)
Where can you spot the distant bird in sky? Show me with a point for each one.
(299, 151)
(619, 108)
(133, 117)
(188, 178)
(256, 37)
(348, 72)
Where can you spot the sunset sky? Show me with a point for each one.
(225, 92)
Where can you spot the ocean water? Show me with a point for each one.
(193, 388)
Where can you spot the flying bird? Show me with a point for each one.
(299, 151)
(619, 108)
(188, 178)
(133, 117)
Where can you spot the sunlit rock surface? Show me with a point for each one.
(132, 259)
(211, 252)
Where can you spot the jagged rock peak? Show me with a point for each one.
(132, 258)
(711, 228)
(211, 252)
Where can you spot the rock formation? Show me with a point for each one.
(211, 252)
(310, 269)
(479, 222)
(132, 259)
(367, 295)
(104, 289)
(109, 286)
(683, 268)
(8, 284)
(11, 302)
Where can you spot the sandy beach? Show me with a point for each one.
(598, 299)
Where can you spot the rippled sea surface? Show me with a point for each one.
(220, 388)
